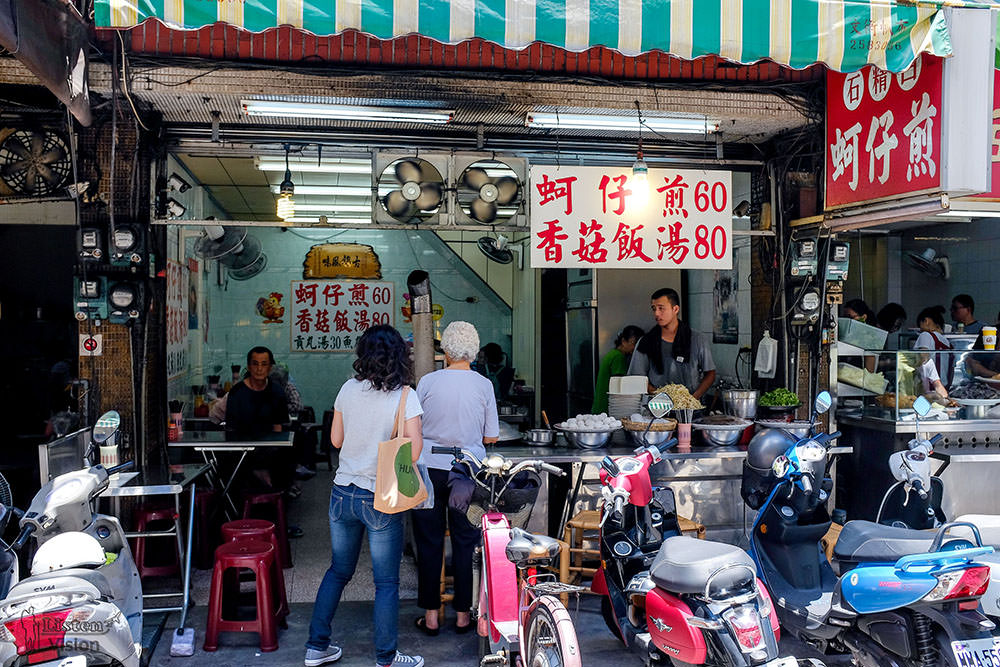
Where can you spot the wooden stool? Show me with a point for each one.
(144, 517)
(260, 558)
(689, 526)
(277, 502)
(574, 536)
(260, 530)
(445, 581)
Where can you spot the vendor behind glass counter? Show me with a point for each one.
(671, 352)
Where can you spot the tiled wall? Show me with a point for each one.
(234, 325)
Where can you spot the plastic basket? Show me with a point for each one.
(860, 334)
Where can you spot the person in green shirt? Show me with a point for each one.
(613, 364)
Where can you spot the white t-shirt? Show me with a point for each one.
(369, 417)
(929, 371)
(461, 410)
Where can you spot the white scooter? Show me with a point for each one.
(82, 604)
(915, 500)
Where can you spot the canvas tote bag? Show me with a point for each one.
(399, 486)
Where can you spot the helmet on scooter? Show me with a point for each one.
(67, 550)
(766, 446)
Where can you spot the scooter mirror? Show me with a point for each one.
(660, 405)
(106, 427)
(823, 402)
(921, 406)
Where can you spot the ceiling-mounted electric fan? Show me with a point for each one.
(242, 254)
(496, 249)
(489, 191)
(35, 162)
(411, 190)
(930, 263)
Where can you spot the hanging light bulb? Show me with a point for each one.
(286, 203)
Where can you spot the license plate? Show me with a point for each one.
(977, 652)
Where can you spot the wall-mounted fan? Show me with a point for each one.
(930, 263)
(489, 191)
(35, 162)
(495, 249)
(411, 190)
(241, 253)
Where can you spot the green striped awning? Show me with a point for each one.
(844, 34)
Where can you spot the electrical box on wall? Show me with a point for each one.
(838, 261)
(124, 302)
(91, 244)
(127, 244)
(805, 258)
(90, 298)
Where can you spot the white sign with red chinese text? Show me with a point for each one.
(599, 217)
(330, 315)
(883, 133)
(177, 319)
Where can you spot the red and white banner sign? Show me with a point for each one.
(177, 319)
(883, 133)
(600, 217)
(994, 193)
(330, 315)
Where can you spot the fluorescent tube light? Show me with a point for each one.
(334, 190)
(307, 165)
(314, 220)
(333, 208)
(971, 213)
(284, 109)
(630, 123)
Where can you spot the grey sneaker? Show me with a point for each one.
(315, 657)
(403, 660)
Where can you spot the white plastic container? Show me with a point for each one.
(766, 363)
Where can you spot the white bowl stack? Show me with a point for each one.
(625, 395)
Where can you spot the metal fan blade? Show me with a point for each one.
(398, 206)
(408, 170)
(54, 155)
(430, 197)
(37, 143)
(508, 189)
(46, 174)
(483, 211)
(475, 178)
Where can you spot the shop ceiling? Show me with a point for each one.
(210, 133)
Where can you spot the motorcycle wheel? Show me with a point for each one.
(608, 614)
(547, 645)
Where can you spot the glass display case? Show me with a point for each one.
(961, 384)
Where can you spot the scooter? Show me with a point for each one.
(675, 599)
(82, 604)
(891, 597)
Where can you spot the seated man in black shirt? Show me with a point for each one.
(255, 407)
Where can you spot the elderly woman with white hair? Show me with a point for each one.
(460, 410)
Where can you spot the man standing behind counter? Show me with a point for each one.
(670, 352)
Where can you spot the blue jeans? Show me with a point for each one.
(351, 512)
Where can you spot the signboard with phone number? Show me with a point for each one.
(605, 217)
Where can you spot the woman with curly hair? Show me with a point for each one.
(460, 410)
(364, 415)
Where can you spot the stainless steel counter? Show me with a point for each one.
(930, 426)
(572, 455)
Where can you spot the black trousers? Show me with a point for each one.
(428, 532)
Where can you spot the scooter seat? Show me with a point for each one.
(526, 549)
(34, 582)
(864, 541)
(685, 564)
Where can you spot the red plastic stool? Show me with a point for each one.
(258, 557)
(277, 502)
(260, 531)
(144, 517)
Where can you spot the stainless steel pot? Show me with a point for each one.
(539, 436)
(740, 403)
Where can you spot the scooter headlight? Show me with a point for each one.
(810, 451)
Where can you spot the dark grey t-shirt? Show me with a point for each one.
(687, 373)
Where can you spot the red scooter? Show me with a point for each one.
(675, 599)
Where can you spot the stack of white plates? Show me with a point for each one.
(621, 406)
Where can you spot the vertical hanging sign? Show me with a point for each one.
(330, 315)
(177, 319)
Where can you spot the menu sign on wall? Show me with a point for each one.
(994, 193)
(330, 315)
(883, 133)
(177, 319)
(602, 217)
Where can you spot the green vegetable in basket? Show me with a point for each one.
(778, 398)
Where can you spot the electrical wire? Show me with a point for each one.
(125, 83)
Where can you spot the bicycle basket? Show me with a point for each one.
(516, 502)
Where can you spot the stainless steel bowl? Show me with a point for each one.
(740, 403)
(798, 429)
(539, 436)
(588, 439)
(722, 438)
(652, 438)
